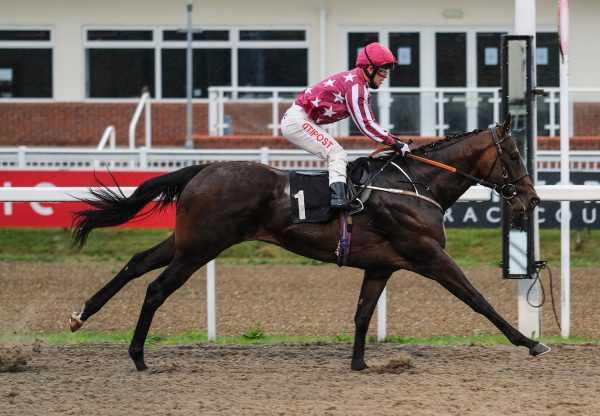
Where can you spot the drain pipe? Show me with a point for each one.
(322, 39)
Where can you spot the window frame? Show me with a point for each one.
(427, 76)
(36, 44)
(158, 44)
(114, 44)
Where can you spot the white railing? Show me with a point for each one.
(109, 136)
(43, 158)
(433, 106)
(144, 104)
(218, 96)
(552, 100)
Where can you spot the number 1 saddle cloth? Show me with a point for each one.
(310, 195)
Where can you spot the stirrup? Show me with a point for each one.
(348, 205)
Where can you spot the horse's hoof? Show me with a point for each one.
(539, 349)
(75, 321)
(359, 366)
(140, 365)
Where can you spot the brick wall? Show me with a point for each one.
(82, 124)
(586, 119)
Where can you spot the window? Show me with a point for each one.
(405, 110)
(25, 64)
(119, 35)
(547, 60)
(488, 59)
(451, 59)
(120, 63)
(120, 73)
(211, 67)
(272, 35)
(357, 41)
(24, 35)
(405, 47)
(273, 67)
(179, 35)
(547, 75)
(451, 71)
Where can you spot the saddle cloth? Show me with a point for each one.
(310, 195)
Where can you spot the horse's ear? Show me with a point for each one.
(506, 123)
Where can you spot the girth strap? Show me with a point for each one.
(343, 248)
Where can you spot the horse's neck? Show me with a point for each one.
(447, 186)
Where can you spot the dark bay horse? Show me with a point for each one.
(222, 204)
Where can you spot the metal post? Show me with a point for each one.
(189, 144)
(322, 39)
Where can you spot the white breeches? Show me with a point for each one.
(300, 130)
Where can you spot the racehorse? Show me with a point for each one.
(225, 203)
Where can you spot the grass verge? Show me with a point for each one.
(469, 247)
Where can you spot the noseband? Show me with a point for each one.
(508, 190)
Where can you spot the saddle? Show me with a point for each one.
(310, 195)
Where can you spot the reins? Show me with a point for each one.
(507, 190)
(452, 169)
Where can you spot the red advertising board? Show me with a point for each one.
(59, 214)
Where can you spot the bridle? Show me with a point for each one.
(507, 190)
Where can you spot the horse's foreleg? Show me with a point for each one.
(171, 279)
(141, 263)
(446, 272)
(372, 286)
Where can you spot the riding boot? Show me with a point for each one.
(339, 197)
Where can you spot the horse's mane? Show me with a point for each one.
(385, 154)
(447, 140)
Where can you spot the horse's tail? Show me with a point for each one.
(111, 208)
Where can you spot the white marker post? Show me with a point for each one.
(565, 122)
(211, 313)
(529, 318)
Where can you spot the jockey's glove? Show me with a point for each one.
(401, 148)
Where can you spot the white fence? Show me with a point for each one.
(86, 158)
(435, 105)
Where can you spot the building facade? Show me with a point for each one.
(69, 68)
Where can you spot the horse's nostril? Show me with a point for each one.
(535, 202)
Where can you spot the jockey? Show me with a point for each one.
(333, 99)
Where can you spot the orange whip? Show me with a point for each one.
(420, 159)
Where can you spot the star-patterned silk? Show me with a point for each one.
(342, 95)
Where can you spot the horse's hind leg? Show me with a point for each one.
(158, 256)
(446, 272)
(372, 286)
(171, 279)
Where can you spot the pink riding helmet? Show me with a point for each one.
(377, 55)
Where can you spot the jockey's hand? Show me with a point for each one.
(401, 148)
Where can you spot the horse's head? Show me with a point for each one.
(510, 175)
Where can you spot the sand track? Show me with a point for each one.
(287, 379)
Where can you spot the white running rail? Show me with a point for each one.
(44, 158)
